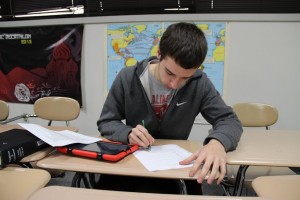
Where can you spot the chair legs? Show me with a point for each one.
(226, 185)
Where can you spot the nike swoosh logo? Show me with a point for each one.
(179, 104)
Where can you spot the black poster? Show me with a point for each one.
(40, 61)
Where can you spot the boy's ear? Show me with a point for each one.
(158, 54)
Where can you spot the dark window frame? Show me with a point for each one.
(11, 8)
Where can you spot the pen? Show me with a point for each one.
(149, 147)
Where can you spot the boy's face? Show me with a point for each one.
(173, 75)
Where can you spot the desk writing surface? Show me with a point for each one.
(127, 166)
(42, 153)
(69, 193)
(19, 183)
(267, 148)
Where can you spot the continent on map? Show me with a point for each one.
(130, 43)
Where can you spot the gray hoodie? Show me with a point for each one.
(128, 101)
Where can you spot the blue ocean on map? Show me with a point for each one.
(132, 42)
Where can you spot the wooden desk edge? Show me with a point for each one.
(69, 193)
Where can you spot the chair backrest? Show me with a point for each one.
(256, 114)
(4, 110)
(57, 109)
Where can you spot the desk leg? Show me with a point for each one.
(92, 179)
(81, 176)
(85, 180)
(182, 186)
(76, 180)
(240, 177)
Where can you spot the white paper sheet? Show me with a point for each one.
(58, 138)
(163, 157)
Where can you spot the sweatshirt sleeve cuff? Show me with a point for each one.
(222, 139)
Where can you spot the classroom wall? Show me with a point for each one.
(262, 64)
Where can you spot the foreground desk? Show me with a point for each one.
(264, 148)
(278, 187)
(68, 193)
(20, 183)
(260, 148)
(40, 154)
(128, 166)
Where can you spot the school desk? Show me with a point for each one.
(129, 166)
(278, 187)
(19, 183)
(69, 193)
(42, 153)
(264, 148)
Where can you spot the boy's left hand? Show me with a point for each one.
(212, 157)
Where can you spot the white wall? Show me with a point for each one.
(262, 64)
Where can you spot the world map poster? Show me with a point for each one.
(128, 43)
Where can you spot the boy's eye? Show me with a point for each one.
(169, 73)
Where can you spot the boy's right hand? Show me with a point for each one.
(140, 136)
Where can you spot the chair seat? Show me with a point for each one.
(278, 187)
(4, 110)
(20, 183)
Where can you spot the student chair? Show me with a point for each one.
(254, 115)
(277, 187)
(20, 184)
(4, 110)
(56, 109)
(4, 113)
